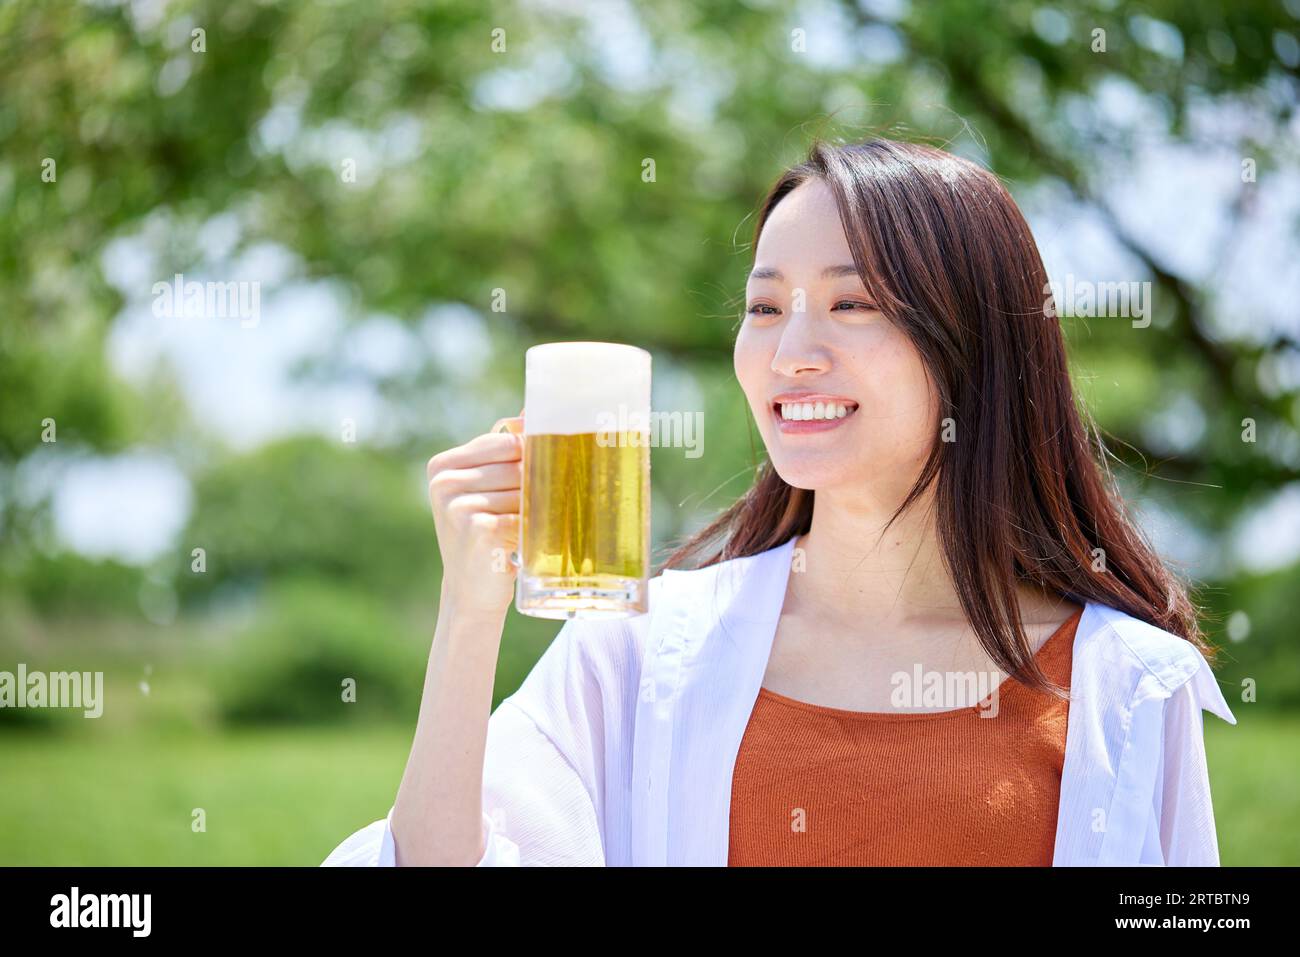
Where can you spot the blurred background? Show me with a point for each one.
(227, 514)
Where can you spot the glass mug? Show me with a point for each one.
(584, 533)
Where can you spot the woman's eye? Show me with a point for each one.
(853, 304)
(758, 309)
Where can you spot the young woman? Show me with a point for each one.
(927, 634)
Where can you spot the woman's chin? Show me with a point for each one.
(810, 477)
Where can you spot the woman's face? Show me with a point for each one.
(811, 341)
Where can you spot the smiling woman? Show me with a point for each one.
(932, 504)
(902, 285)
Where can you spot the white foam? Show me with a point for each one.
(576, 387)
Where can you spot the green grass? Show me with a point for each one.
(270, 797)
(124, 795)
(1255, 783)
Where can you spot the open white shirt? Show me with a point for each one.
(619, 746)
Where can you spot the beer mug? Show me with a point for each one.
(584, 536)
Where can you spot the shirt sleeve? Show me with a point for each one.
(537, 807)
(373, 846)
(540, 775)
(1188, 837)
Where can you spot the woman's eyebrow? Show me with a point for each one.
(830, 272)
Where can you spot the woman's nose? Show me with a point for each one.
(799, 349)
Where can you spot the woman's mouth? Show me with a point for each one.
(819, 414)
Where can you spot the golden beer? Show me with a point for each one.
(584, 540)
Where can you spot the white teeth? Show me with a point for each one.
(804, 411)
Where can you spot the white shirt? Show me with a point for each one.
(619, 746)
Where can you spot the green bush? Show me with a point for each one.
(309, 637)
(65, 583)
(307, 506)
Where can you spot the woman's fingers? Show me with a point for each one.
(480, 450)
(494, 502)
(496, 477)
(474, 491)
(513, 424)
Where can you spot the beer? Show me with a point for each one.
(585, 500)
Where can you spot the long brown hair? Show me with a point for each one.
(1024, 494)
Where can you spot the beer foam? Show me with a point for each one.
(576, 387)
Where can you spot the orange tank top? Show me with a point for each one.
(814, 785)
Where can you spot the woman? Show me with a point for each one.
(932, 544)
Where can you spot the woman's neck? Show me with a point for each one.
(845, 572)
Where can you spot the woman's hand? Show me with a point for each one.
(474, 493)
